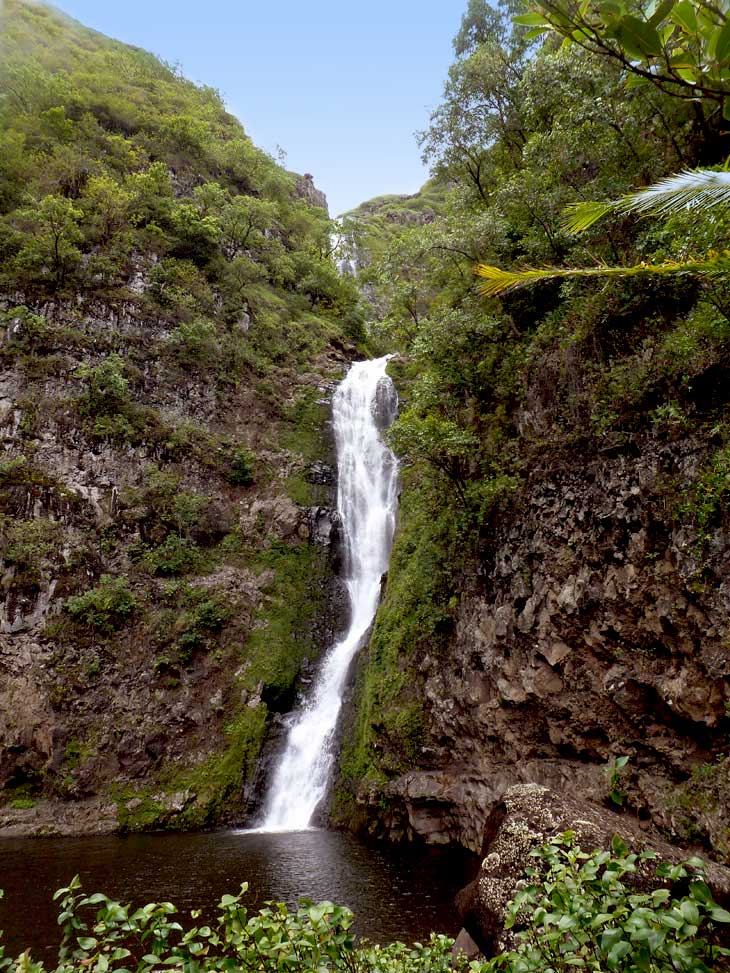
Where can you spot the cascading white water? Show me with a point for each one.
(364, 404)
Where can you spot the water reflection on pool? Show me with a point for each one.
(394, 894)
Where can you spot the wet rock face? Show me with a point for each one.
(586, 637)
(528, 816)
(386, 404)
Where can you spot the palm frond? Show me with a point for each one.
(579, 216)
(691, 189)
(500, 281)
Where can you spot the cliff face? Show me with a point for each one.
(144, 693)
(587, 638)
(169, 339)
(556, 609)
(596, 629)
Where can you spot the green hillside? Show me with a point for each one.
(171, 317)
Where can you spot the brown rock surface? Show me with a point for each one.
(529, 815)
(583, 636)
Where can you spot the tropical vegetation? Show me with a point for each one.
(573, 151)
(573, 910)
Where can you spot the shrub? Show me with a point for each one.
(100, 934)
(711, 493)
(176, 555)
(194, 343)
(28, 544)
(206, 617)
(241, 472)
(106, 607)
(107, 389)
(579, 911)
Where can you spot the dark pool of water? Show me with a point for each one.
(394, 894)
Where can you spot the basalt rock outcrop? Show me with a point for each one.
(529, 816)
(585, 636)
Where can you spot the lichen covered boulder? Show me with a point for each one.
(528, 816)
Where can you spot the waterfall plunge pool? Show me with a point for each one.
(395, 894)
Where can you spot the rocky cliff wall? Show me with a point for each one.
(151, 705)
(596, 628)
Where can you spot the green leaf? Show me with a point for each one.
(617, 953)
(638, 36)
(666, 32)
(94, 899)
(660, 13)
(531, 20)
(618, 845)
(578, 217)
(720, 915)
(722, 44)
(686, 75)
(689, 910)
(685, 17)
(87, 943)
(609, 939)
(636, 81)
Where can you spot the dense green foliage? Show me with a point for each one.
(561, 373)
(682, 48)
(579, 910)
(111, 158)
(101, 935)
(164, 287)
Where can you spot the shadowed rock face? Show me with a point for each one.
(581, 637)
(81, 712)
(386, 404)
(527, 817)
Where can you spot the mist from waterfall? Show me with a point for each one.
(363, 406)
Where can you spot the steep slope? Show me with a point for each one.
(556, 608)
(172, 323)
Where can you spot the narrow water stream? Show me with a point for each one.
(363, 406)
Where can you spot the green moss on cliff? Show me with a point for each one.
(415, 617)
(283, 634)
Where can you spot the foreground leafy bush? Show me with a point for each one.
(100, 934)
(580, 912)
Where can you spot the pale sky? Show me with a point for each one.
(340, 86)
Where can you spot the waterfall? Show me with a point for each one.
(364, 404)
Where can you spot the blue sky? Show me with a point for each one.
(340, 86)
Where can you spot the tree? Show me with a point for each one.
(480, 105)
(682, 47)
(244, 221)
(49, 250)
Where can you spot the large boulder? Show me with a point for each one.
(528, 816)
